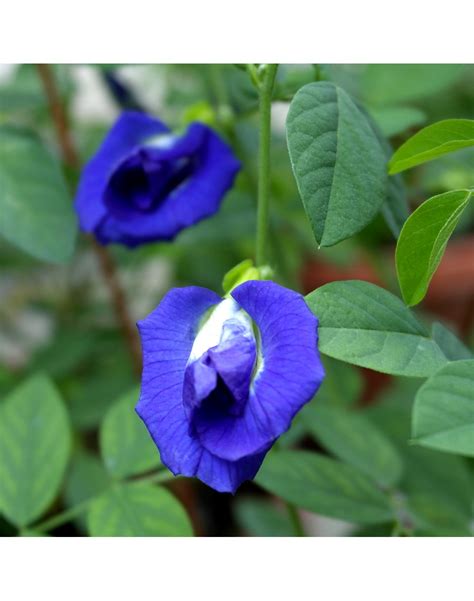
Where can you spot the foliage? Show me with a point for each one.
(29, 173)
(360, 199)
(337, 161)
(423, 240)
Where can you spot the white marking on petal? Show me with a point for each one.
(161, 141)
(211, 332)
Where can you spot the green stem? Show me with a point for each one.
(265, 90)
(158, 477)
(295, 520)
(64, 517)
(73, 512)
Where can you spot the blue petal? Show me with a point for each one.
(234, 359)
(197, 198)
(291, 374)
(167, 336)
(219, 380)
(129, 132)
(200, 379)
(227, 476)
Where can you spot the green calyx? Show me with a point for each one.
(243, 272)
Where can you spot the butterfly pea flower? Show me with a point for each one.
(146, 183)
(223, 378)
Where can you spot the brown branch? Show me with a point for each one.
(105, 259)
(129, 331)
(70, 156)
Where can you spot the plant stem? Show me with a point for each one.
(158, 477)
(265, 106)
(129, 331)
(64, 517)
(105, 259)
(295, 520)
(73, 512)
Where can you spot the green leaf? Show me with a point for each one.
(394, 120)
(36, 211)
(23, 92)
(324, 486)
(443, 414)
(16, 98)
(450, 344)
(365, 325)
(352, 438)
(423, 240)
(432, 142)
(336, 160)
(34, 449)
(137, 510)
(127, 448)
(432, 479)
(261, 518)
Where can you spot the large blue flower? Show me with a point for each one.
(223, 379)
(146, 184)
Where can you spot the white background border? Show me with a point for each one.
(237, 31)
(243, 569)
(236, 569)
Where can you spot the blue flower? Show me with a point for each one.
(223, 379)
(146, 184)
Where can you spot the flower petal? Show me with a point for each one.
(197, 198)
(291, 374)
(234, 360)
(219, 380)
(167, 336)
(129, 132)
(227, 476)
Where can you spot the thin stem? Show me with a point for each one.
(295, 520)
(105, 259)
(158, 477)
(64, 517)
(59, 116)
(265, 90)
(73, 512)
(129, 332)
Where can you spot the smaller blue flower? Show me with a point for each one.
(223, 378)
(146, 184)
